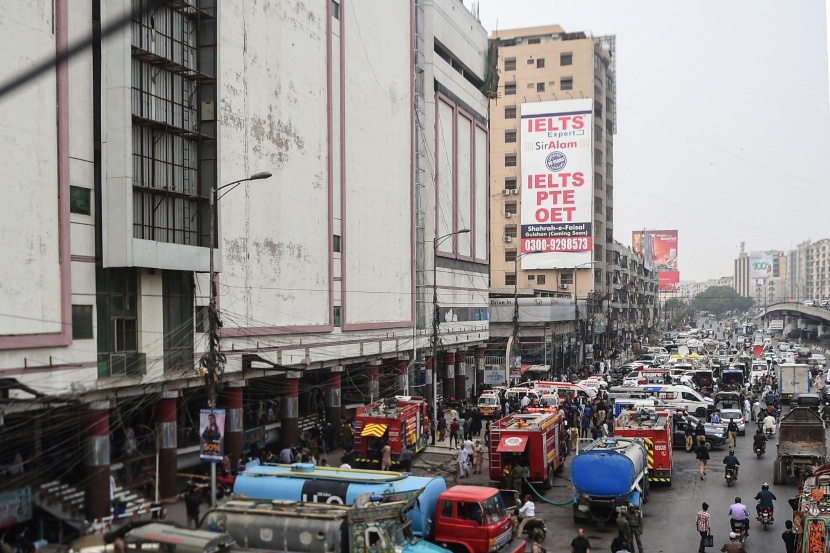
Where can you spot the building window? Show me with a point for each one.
(337, 316)
(540, 63)
(509, 112)
(540, 87)
(597, 86)
(598, 181)
(509, 89)
(566, 278)
(597, 133)
(510, 279)
(530, 86)
(82, 322)
(203, 318)
(597, 109)
(598, 157)
(510, 255)
(510, 183)
(540, 279)
(534, 41)
(335, 9)
(509, 209)
(125, 335)
(177, 323)
(508, 42)
(80, 200)
(510, 64)
(510, 160)
(510, 230)
(566, 83)
(530, 61)
(510, 136)
(597, 205)
(335, 244)
(566, 58)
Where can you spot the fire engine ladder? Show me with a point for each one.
(495, 460)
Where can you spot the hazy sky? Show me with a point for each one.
(722, 119)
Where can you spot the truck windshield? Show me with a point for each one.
(494, 508)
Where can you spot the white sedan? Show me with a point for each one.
(734, 414)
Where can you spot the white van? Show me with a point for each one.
(681, 397)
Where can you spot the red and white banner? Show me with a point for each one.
(659, 249)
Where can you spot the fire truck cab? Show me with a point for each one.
(654, 427)
(534, 440)
(398, 421)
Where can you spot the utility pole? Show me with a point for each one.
(213, 361)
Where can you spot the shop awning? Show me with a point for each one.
(373, 429)
(512, 444)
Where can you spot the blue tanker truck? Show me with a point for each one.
(305, 482)
(609, 475)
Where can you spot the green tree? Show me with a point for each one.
(720, 299)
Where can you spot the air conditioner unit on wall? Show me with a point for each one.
(563, 286)
(514, 191)
(506, 192)
(508, 238)
(508, 215)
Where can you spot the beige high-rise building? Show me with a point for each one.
(541, 64)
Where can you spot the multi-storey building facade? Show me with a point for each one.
(324, 269)
(809, 274)
(760, 289)
(540, 64)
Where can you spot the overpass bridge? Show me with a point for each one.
(816, 315)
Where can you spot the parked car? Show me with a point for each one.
(817, 359)
(809, 303)
(737, 415)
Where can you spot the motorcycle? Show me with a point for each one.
(729, 475)
(741, 530)
(765, 518)
(536, 526)
(758, 450)
(769, 433)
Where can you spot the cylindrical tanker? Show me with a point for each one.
(607, 475)
(305, 482)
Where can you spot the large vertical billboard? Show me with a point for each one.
(557, 190)
(760, 265)
(659, 248)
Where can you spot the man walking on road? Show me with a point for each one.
(580, 543)
(702, 525)
(703, 457)
(635, 521)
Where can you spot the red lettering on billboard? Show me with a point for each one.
(561, 123)
(555, 180)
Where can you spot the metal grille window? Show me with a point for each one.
(566, 58)
(510, 160)
(566, 83)
(510, 254)
(509, 89)
(167, 204)
(510, 136)
(510, 112)
(510, 279)
(510, 64)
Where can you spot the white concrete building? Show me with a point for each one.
(376, 136)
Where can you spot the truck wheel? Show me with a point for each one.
(549, 479)
(645, 490)
(779, 472)
(709, 445)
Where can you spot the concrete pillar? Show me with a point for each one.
(97, 488)
(334, 413)
(461, 375)
(479, 371)
(449, 374)
(403, 377)
(166, 432)
(290, 420)
(429, 390)
(232, 397)
(374, 380)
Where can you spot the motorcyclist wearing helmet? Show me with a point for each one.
(733, 545)
(732, 463)
(765, 499)
(759, 440)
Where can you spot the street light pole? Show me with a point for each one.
(211, 360)
(436, 318)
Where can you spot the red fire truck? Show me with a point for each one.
(655, 428)
(534, 440)
(398, 421)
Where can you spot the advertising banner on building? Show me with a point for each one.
(760, 265)
(776, 324)
(659, 249)
(212, 436)
(15, 507)
(557, 184)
